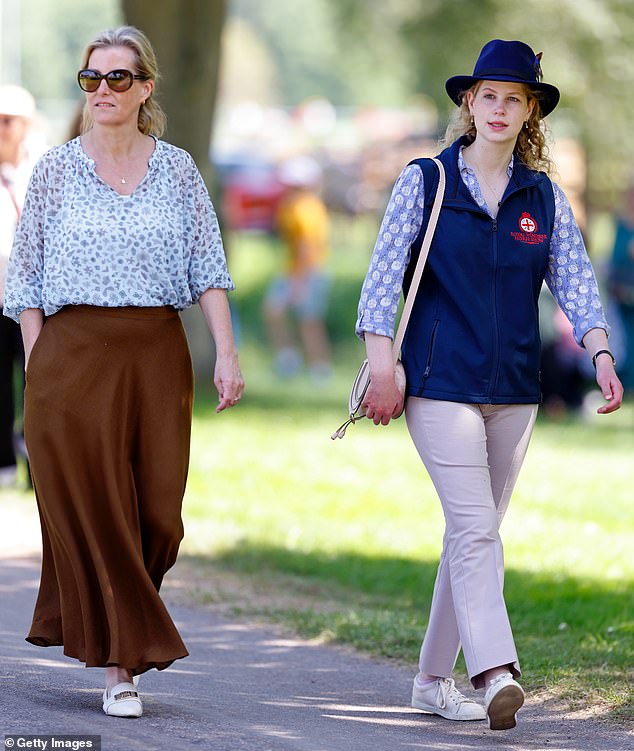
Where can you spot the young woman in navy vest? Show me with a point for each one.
(472, 349)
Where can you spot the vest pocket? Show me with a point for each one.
(430, 355)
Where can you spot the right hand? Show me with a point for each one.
(383, 400)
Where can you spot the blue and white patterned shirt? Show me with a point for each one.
(569, 276)
(81, 242)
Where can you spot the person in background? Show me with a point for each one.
(621, 282)
(302, 223)
(17, 108)
(117, 235)
(472, 350)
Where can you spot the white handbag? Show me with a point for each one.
(356, 410)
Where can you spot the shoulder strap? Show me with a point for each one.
(420, 264)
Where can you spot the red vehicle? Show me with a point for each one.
(250, 193)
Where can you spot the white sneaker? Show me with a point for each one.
(443, 698)
(502, 699)
(122, 701)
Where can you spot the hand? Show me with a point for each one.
(383, 400)
(228, 380)
(609, 383)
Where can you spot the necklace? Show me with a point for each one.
(498, 197)
(114, 168)
(494, 193)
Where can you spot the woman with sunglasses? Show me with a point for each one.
(117, 235)
(471, 352)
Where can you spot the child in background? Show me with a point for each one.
(302, 223)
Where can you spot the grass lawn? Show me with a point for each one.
(354, 528)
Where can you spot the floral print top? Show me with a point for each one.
(79, 242)
(569, 276)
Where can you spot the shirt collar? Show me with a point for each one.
(467, 170)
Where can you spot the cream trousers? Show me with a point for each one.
(473, 454)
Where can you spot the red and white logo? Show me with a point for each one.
(527, 223)
(528, 234)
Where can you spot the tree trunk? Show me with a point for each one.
(186, 38)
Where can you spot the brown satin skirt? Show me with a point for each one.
(108, 405)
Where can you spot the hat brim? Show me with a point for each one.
(457, 85)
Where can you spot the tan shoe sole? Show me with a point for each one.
(503, 707)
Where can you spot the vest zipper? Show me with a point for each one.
(431, 349)
(496, 338)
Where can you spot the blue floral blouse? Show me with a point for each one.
(80, 242)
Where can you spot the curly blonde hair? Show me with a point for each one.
(530, 147)
(151, 117)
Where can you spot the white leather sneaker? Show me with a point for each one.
(502, 699)
(443, 698)
(122, 701)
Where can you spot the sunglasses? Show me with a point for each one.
(118, 80)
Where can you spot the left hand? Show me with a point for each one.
(610, 386)
(228, 380)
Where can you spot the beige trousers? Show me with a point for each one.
(473, 453)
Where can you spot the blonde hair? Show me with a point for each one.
(530, 147)
(151, 117)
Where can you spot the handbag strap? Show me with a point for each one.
(420, 264)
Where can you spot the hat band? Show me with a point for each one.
(504, 72)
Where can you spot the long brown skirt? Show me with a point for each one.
(108, 405)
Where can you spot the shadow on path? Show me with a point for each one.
(248, 687)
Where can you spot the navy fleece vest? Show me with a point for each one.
(474, 333)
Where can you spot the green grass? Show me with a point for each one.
(354, 526)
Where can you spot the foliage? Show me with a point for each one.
(54, 35)
(312, 57)
(587, 53)
(384, 54)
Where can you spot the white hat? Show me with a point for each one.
(16, 102)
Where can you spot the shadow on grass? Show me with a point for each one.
(573, 635)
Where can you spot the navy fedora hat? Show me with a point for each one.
(507, 61)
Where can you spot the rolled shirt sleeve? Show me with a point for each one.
(207, 266)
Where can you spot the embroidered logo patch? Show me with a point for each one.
(528, 234)
(527, 223)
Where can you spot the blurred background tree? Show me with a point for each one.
(186, 37)
(372, 53)
(587, 48)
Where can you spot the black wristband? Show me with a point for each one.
(602, 352)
